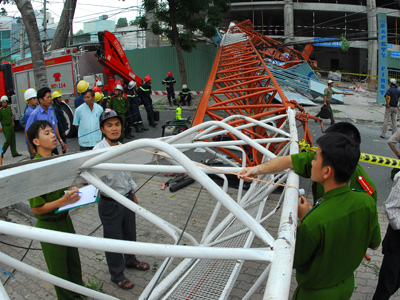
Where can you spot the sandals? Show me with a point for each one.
(125, 284)
(139, 265)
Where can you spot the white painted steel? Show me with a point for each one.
(128, 247)
(18, 265)
(91, 165)
(3, 293)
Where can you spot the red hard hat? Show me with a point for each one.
(96, 89)
(169, 74)
(118, 82)
(147, 78)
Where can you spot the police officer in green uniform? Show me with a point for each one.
(7, 122)
(120, 104)
(62, 261)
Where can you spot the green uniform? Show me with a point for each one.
(8, 130)
(328, 93)
(121, 106)
(331, 242)
(302, 166)
(62, 261)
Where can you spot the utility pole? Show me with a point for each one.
(45, 25)
(21, 38)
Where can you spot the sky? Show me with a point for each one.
(86, 10)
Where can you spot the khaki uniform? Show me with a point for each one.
(121, 106)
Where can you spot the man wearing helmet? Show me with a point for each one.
(135, 119)
(62, 124)
(32, 102)
(169, 83)
(328, 92)
(120, 104)
(7, 124)
(185, 96)
(118, 221)
(144, 93)
(106, 97)
(81, 87)
(392, 101)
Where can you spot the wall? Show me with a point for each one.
(157, 62)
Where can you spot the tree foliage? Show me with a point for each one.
(199, 15)
(122, 22)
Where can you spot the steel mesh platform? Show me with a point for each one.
(207, 278)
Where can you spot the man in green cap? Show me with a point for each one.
(7, 122)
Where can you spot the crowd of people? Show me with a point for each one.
(89, 104)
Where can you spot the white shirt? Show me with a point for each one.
(120, 181)
(392, 204)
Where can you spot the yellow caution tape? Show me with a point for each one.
(364, 157)
(345, 73)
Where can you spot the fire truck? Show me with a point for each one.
(105, 61)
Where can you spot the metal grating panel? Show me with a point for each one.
(208, 277)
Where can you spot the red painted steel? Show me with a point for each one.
(240, 83)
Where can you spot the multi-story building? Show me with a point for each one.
(298, 22)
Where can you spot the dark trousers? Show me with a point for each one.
(148, 105)
(330, 113)
(134, 116)
(170, 94)
(118, 223)
(389, 275)
(85, 148)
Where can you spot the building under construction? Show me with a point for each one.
(300, 22)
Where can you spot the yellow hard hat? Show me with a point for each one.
(98, 96)
(82, 86)
(55, 95)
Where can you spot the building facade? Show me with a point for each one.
(298, 22)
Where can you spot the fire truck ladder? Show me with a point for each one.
(235, 117)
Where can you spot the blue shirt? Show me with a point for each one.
(89, 133)
(79, 101)
(28, 110)
(39, 114)
(394, 95)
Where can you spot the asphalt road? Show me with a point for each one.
(371, 143)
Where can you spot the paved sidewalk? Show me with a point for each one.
(174, 207)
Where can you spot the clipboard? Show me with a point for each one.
(88, 194)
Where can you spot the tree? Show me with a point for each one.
(61, 36)
(3, 12)
(32, 30)
(79, 32)
(122, 22)
(137, 21)
(199, 15)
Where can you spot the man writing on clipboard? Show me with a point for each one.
(118, 221)
(62, 261)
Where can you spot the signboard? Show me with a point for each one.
(382, 58)
(328, 42)
(394, 54)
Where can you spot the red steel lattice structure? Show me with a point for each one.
(240, 83)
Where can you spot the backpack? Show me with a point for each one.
(22, 121)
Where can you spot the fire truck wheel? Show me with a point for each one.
(71, 132)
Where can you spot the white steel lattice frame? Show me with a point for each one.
(236, 231)
(279, 251)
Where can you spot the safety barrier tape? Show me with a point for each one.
(364, 157)
(345, 73)
(165, 93)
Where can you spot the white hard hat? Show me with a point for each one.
(393, 81)
(330, 81)
(4, 99)
(99, 83)
(184, 86)
(29, 94)
(131, 84)
(119, 87)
